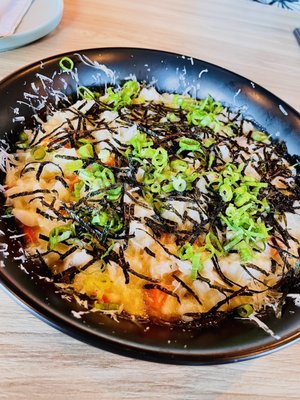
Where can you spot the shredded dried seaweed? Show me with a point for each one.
(273, 161)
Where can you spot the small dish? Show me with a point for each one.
(42, 18)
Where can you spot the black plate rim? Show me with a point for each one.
(141, 49)
(124, 347)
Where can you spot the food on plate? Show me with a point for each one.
(157, 206)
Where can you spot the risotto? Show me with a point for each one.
(157, 206)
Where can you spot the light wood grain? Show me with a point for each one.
(241, 35)
(38, 362)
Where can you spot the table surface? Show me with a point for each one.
(254, 40)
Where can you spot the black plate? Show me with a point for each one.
(25, 90)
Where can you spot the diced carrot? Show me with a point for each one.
(45, 141)
(274, 252)
(67, 146)
(155, 299)
(111, 161)
(72, 180)
(167, 238)
(105, 299)
(31, 233)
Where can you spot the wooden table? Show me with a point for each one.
(38, 362)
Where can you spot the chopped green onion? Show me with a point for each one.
(200, 112)
(172, 117)
(139, 141)
(114, 194)
(179, 165)
(85, 93)
(109, 249)
(208, 142)
(225, 192)
(244, 310)
(187, 144)
(197, 117)
(38, 152)
(60, 234)
(86, 151)
(73, 166)
(197, 265)
(23, 137)
(179, 184)
(124, 96)
(213, 245)
(23, 141)
(97, 177)
(245, 251)
(77, 189)
(242, 196)
(190, 177)
(106, 306)
(155, 187)
(211, 159)
(149, 178)
(147, 153)
(8, 212)
(100, 219)
(22, 145)
(107, 177)
(228, 130)
(259, 136)
(186, 252)
(168, 188)
(130, 88)
(111, 221)
(116, 224)
(66, 64)
(160, 158)
(247, 231)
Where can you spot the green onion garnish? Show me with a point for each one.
(23, 137)
(179, 165)
(38, 152)
(155, 187)
(60, 234)
(259, 136)
(85, 93)
(160, 158)
(8, 212)
(66, 64)
(225, 192)
(114, 194)
(73, 166)
(124, 96)
(187, 252)
(77, 189)
(106, 306)
(22, 145)
(23, 141)
(107, 220)
(86, 151)
(179, 184)
(172, 117)
(244, 310)
(187, 144)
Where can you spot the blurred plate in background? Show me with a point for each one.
(42, 18)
